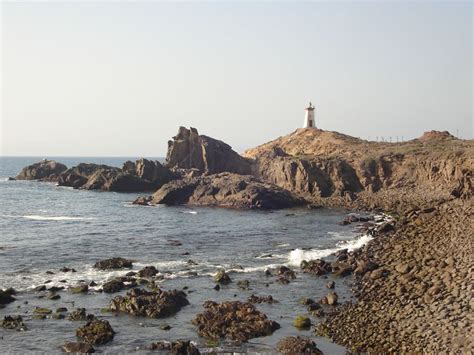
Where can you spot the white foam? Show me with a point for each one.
(190, 212)
(298, 255)
(56, 218)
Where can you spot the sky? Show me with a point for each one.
(118, 78)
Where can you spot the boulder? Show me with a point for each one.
(6, 296)
(302, 322)
(222, 278)
(298, 345)
(331, 298)
(14, 323)
(113, 264)
(226, 190)
(83, 288)
(46, 170)
(341, 269)
(148, 271)
(96, 332)
(238, 321)
(180, 347)
(189, 150)
(78, 348)
(152, 304)
(113, 286)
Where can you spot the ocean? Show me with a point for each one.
(44, 227)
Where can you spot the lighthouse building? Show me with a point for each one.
(309, 117)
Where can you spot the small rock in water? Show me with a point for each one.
(298, 345)
(331, 284)
(302, 322)
(78, 348)
(14, 323)
(96, 332)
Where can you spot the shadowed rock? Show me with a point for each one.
(113, 264)
(225, 190)
(180, 347)
(189, 150)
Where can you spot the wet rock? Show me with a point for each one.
(14, 323)
(222, 278)
(302, 322)
(142, 200)
(235, 320)
(78, 348)
(331, 285)
(243, 284)
(43, 311)
(40, 288)
(152, 304)
(262, 299)
(306, 301)
(316, 267)
(67, 269)
(55, 288)
(79, 289)
(148, 271)
(53, 296)
(113, 264)
(165, 327)
(180, 347)
(286, 273)
(78, 315)
(113, 286)
(6, 296)
(217, 287)
(386, 227)
(298, 345)
(96, 332)
(364, 266)
(61, 310)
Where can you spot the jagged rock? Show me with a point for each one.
(222, 278)
(225, 190)
(152, 304)
(189, 150)
(316, 267)
(78, 315)
(96, 332)
(113, 264)
(78, 348)
(298, 345)
(47, 170)
(14, 323)
(180, 347)
(148, 271)
(233, 320)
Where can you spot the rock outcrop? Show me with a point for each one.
(239, 321)
(320, 164)
(152, 304)
(96, 332)
(189, 150)
(298, 345)
(46, 170)
(225, 190)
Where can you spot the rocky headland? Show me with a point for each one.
(413, 280)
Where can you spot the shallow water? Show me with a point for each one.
(45, 227)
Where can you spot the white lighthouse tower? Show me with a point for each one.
(309, 117)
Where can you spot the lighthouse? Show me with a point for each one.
(309, 117)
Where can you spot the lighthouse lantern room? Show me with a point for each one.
(309, 117)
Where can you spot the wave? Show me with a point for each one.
(298, 255)
(190, 212)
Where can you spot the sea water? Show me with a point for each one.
(44, 227)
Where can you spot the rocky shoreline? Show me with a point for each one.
(413, 281)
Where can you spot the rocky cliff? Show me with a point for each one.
(190, 150)
(319, 164)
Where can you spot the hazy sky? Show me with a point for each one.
(118, 79)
